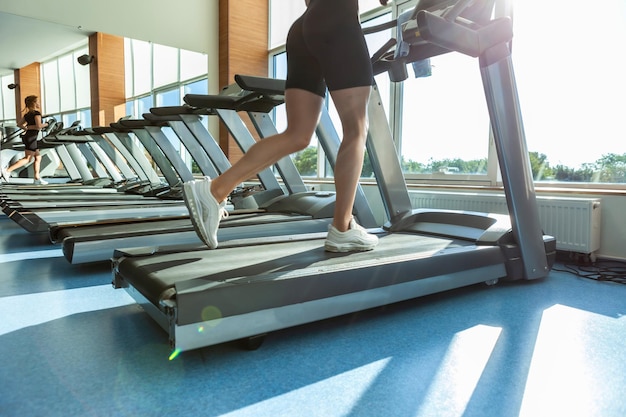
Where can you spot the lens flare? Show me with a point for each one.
(174, 354)
(212, 314)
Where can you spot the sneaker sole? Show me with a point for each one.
(347, 248)
(195, 212)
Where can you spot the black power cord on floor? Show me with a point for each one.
(599, 270)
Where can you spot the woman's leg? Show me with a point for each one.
(303, 109)
(28, 156)
(346, 235)
(37, 164)
(351, 104)
(206, 199)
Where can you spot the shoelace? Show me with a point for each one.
(223, 213)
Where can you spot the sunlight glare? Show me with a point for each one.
(459, 373)
(569, 370)
(21, 311)
(20, 256)
(340, 392)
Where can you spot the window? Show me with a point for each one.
(440, 121)
(168, 97)
(311, 162)
(66, 88)
(158, 75)
(69, 118)
(51, 102)
(196, 87)
(445, 123)
(138, 64)
(151, 67)
(144, 104)
(164, 65)
(568, 68)
(7, 100)
(284, 12)
(193, 65)
(569, 63)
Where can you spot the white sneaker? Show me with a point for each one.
(40, 182)
(355, 239)
(204, 210)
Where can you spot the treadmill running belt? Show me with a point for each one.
(280, 274)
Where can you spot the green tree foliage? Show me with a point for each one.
(306, 161)
(412, 167)
(610, 168)
(455, 166)
(567, 174)
(539, 166)
(368, 170)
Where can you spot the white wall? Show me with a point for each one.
(613, 229)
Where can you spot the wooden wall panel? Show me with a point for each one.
(108, 95)
(28, 80)
(243, 49)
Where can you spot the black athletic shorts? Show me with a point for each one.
(326, 47)
(30, 140)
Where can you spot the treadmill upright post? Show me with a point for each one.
(76, 155)
(506, 120)
(245, 140)
(68, 163)
(86, 149)
(383, 153)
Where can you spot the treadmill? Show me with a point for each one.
(74, 154)
(134, 199)
(120, 167)
(243, 290)
(267, 213)
(51, 154)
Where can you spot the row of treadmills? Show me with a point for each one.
(122, 203)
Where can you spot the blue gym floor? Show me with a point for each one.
(71, 345)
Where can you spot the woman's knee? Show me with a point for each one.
(302, 143)
(355, 131)
(297, 140)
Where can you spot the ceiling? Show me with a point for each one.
(42, 29)
(26, 40)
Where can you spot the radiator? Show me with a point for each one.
(574, 222)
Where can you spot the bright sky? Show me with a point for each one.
(569, 61)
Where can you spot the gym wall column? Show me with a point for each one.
(106, 73)
(243, 49)
(28, 80)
